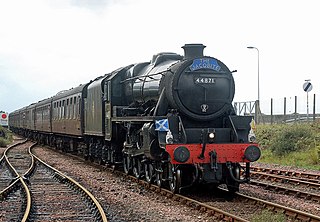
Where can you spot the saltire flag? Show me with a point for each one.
(162, 125)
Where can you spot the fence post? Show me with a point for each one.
(256, 112)
(295, 109)
(314, 107)
(271, 113)
(284, 109)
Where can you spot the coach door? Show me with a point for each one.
(107, 102)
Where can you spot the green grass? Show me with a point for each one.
(307, 159)
(266, 215)
(293, 145)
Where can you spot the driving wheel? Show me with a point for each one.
(174, 178)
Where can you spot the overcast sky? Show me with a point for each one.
(51, 45)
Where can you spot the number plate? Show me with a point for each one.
(204, 80)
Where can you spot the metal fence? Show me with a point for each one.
(281, 110)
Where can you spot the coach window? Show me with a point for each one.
(44, 113)
(43, 110)
(55, 110)
(75, 107)
(71, 108)
(56, 114)
(60, 110)
(39, 114)
(68, 109)
(79, 109)
(33, 114)
(71, 111)
(108, 91)
(63, 109)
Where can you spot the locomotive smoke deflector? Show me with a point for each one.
(193, 50)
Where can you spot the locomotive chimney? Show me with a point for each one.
(193, 50)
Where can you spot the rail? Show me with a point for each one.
(73, 183)
(11, 187)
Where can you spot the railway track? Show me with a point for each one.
(297, 174)
(6, 173)
(215, 213)
(288, 191)
(14, 194)
(39, 192)
(207, 207)
(291, 213)
(222, 215)
(288, 182)
(211, 208)
(314, 184)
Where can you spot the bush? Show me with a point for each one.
(293, 145)
(284, 139)
(266, 134)
(5, 137)
(292, 138)
(3, 142)
(317, 159)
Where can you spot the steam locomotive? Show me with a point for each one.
(170, 121)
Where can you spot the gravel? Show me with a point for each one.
(285, 200)
(123, 200)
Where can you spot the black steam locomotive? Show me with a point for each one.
(169, 120)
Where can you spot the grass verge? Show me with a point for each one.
(293, 145)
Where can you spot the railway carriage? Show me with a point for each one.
(29, 116)
(67, 118)
(13, 120)
(16, 121)
(42, 116)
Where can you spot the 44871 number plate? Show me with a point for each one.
(204, 80)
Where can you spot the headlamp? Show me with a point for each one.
(210, 135)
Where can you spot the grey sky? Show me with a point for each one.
(48, 46)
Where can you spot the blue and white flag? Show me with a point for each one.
(162, 125)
